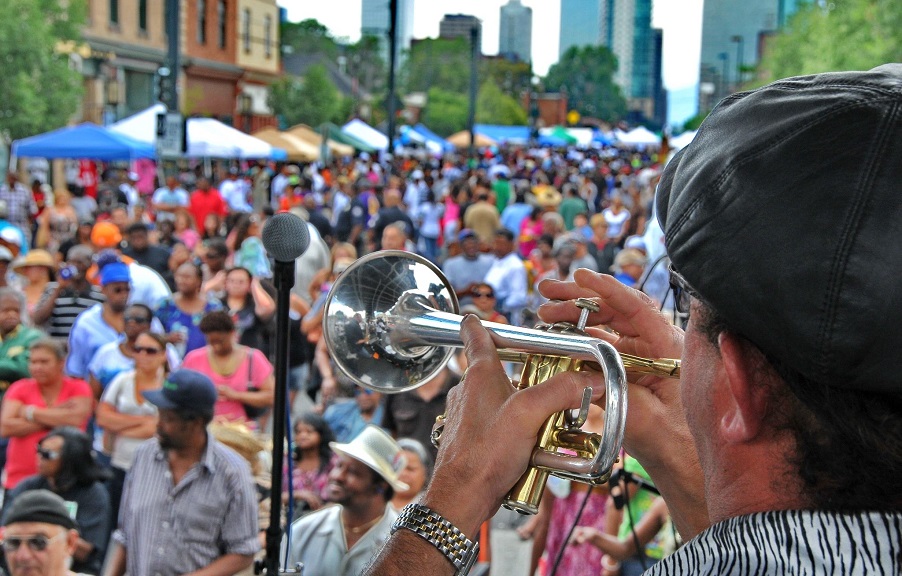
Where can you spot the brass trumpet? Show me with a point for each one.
(391, 323)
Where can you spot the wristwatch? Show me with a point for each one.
(432, 527)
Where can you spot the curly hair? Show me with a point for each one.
(78, 463)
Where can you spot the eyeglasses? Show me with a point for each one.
(48, 454)
(148, 351)
(138, 319)
(483, 294)
(682, 291)
(36, 543)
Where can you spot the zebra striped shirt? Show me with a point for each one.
(799, 542)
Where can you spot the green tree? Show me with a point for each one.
(445, 112)
(366, 65)
(308, 37)
(311, 100)
(513, 78)
(437, 62)
(840, 35)
(587, 75)
(495, 107)
(39, 91)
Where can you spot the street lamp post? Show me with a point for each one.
(740, 43)
(245, 107)
(724, 59)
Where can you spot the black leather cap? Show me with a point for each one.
(785, 214)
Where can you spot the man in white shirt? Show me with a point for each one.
(234, 192)
(508, 277)
(169, 198)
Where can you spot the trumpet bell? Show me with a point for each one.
(362, 312)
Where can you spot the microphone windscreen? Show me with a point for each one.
(285, 237)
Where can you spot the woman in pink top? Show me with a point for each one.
(242, 375)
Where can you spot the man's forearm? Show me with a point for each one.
(116, 564)
(407, 553)
(225, 565)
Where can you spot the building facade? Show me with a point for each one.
(229, 54)
(459, 26)
(515, 36)
(375, 20)
(733, 34)
(580, 23)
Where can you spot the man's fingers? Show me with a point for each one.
(478, 344)
(531, 406)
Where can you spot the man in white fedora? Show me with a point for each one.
(341, 539)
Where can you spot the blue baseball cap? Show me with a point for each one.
(464, 234)
(114, 272)
(184, 389)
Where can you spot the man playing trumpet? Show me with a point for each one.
(779, 449)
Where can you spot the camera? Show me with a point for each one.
(67, 272)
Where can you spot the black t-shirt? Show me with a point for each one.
(407, 415)
(156, 257)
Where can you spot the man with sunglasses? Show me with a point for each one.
(102, 323)
(39, 535)
(778, 451)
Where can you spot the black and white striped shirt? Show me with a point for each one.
(797, 542)
(171, 529)
(67, 306)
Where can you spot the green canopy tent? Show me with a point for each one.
(334, 132)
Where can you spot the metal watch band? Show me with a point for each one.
(432, 527)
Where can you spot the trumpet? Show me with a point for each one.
(391, 323)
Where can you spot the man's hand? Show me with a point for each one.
(657, 433)
(490, 431)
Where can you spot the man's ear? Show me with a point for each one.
(71, 541)
(745, 396)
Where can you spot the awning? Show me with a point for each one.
(297, 150)
(86, 140)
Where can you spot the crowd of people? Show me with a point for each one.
(138, 336)
(136, 356)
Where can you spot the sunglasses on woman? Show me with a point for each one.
(147, 350)
(483, 294)
(48, 454)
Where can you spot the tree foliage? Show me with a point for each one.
(39, 91)
(445, 112)
(437, 63)
(512, 78)
(366, 65)
(308, 37)
(495, 107)
(839, 35)
(311, 100)
(587, 75)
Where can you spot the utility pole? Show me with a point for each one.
(392, 43)
(173, 19)
(471, 114)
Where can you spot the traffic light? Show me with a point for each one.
(165, 85)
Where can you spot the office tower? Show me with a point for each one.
(580, 23)
(459, 26)
(733, 32)
(515, 37)
(375, 21)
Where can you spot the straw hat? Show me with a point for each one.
(546, 196)
(375, 448)
(36, 257)
(239, 438)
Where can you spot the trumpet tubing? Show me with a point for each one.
(391, 323)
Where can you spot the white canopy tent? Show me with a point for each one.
(640, 136)
(207, 137)
(683, 140)
(363, 131)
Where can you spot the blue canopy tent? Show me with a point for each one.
(83, 141)
(431, 136)
(504, 134)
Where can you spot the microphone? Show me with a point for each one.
(620, 475)
(285, 237)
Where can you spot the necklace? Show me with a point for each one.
(362, 527)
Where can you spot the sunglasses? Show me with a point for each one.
(146, 350)
(138, 319)
(483, 294)
(48, 454)
(682, 291)
(37, 543)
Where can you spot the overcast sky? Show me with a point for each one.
(681, 21)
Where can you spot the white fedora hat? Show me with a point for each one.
(375, 448)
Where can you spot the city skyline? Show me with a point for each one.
(680, 20)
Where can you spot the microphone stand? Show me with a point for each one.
(283, 276)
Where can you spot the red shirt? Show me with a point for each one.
(21, 454)
(206, 202)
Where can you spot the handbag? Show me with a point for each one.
(252, 412)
